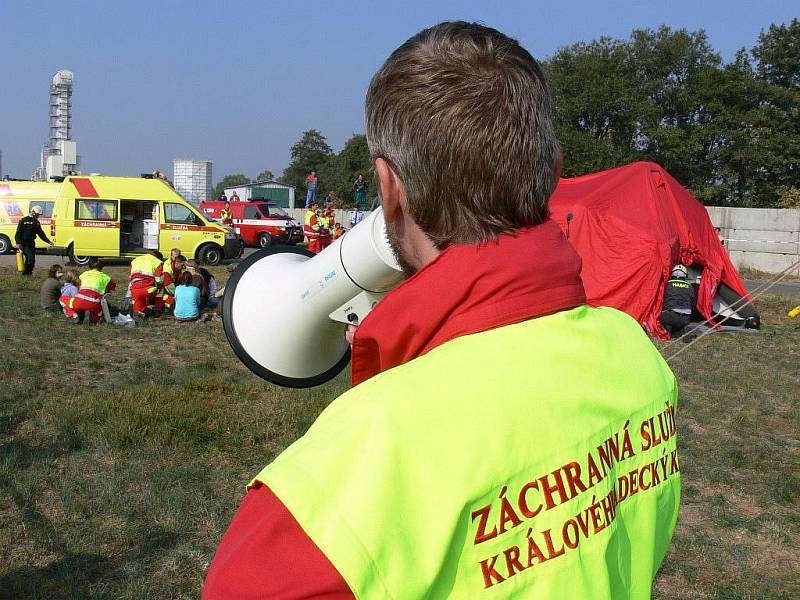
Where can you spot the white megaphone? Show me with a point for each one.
(284, 309)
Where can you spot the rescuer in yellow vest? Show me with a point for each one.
(311, 228)
(146, 279)
(502, 439)
(94, 286)
(226, 215)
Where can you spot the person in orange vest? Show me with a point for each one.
(502, 439)
(311, 228)
(94, 286)
(146, 280)
(338, 231)
(172, 270)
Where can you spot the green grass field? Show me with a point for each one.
(125, 452)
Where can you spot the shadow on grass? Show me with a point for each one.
(68, 577)
(73, 574)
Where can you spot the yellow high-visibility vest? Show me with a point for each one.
(453, 476)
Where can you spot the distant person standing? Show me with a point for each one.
(222, 197)
(311, 186)
(28, 229)
(311, 228)
(360, 190)
(226, 215)
(234, 196)
(326, 219)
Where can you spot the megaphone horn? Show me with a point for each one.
(284, 308)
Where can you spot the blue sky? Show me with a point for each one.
(238, 82)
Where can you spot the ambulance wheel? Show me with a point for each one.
(77, 259)
(5, 245)
(264, 240)
(210, 254)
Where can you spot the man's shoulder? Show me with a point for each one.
(544, 348)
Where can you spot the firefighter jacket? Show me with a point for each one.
(679, 296)
(28, 229)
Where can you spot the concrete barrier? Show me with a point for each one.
(767, 239)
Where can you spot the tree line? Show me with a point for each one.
(336, 172)
(728, 131)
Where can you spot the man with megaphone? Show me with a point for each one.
(501, 437)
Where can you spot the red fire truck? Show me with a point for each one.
(258, 223)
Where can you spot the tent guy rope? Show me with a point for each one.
(763, 288)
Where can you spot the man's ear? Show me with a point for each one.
(392, 191)
(559, 164)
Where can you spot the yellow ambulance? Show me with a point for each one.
(118, 216)
(17, 204)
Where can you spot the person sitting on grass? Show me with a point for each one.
(51, 289)
(187, 300)
(210, 299)
(94, 286)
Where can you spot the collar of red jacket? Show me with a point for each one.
(467, 289)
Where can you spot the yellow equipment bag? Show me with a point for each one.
(20, 262)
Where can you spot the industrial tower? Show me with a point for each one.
(60, 155)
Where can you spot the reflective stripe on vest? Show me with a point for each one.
(311, 229)
(144, 271)
(452, 476)
(93, 285)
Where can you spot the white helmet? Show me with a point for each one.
(680, 271)
(36, 210)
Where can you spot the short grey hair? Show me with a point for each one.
(462, 114)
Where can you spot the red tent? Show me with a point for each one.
(632, 225)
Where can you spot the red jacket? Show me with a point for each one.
(466, 289)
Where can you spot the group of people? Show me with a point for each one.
(359, 190)
(77, 295)
(175, 283)
(156, 284)
(320, 227)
